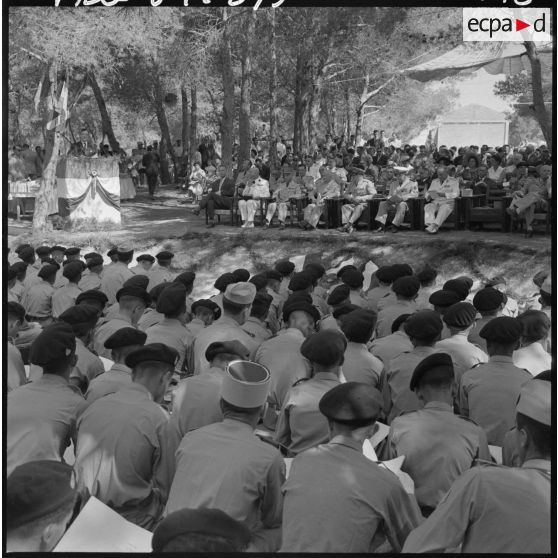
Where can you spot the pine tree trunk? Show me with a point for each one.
(347, 131)
(228, 96)
(185, 131)
(245, 138)
(193, 122)
(106, 122)
(273, 94)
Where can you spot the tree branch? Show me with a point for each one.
(377, 90)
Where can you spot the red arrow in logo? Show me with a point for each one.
(519, 25)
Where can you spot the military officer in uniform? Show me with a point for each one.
(120, 344)
(339, 296)
(95, 298)
(533, 354)
(115, 275)
(221, 284)
(384, 277)
(224, 466)
(119, 442)
(65, 297)
(354, 279)
(92, 280)
(441, 301)
(300, 425)
(255, 324)
(161, 273)
(286, 269)
(151, 316)
(362, 507)
(144, 265)
(42, 414)
(438, 446)
(393, 345)
(16, 369)
(488, 392)
(205, 312)
(406, 290)
(357, 194)
(37, 300)
(500, 509)
(489, 303)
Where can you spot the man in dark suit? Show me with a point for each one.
(220, 196)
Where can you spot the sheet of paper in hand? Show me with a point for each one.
(288, 462)
(299, 262)
(380, 434)
(107, 363)
(341, 264)
(394, 465)
(99, 529)
(369, 269)
(496, 453)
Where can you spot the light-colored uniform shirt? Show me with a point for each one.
(390, 313)
(16, 369)
(41, 420)
(359, 300)
(195, 326)
(114, 277)
(533, 358)
(281, 356)
(104, 331)
(224, 329)
(301, 425)
(64, 298)
(111, 381)
(446, 191)
(37, 300)
(491, 509)
(158, 275)
(90, 282)
(474, 336)
(172, 333)
(149, 318)
(464, 354)
(362, 507)
(361, 366)
(396, 392)
(438, 447)
(88, 365)
(60, 280)
(257, 328)
(391, 346)
(488, 394)
(118, 453)
(376, 294)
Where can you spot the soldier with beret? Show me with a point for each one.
(300, 425)
(115, 275)
(72, 254)
(354, 279)
(489, 303)
(16, 369)
(359, 364)
(187, 279)
(274, 279)
(132, 302)
(42, 414)
(441, 301)
(204, 312)
(65, 297)
(112, 254)
(397, 270)
(200, 530)
(460, 318)
(151, 316)
(281, 354)
(256, 323)
(488, 392)
(20, 269)
(423, 329)
(120, 439)
(237, 303)
(95, 298)
(438, 446)
(42, 252)
(37, 300)
(83, 319)
(338, 297)
(500, 509)
(120, 344)
(241, 275)
(161, 272)
(362, 507)
(170, 331)
(405, 289)
(40, 502)
(144, 265)
(461, 286)
(27, 255)
(221, 284)
(92, 280)
(224, 466)
(286, 269)
(427, 277)
(58, 252)
(535, 333)
(393, 345)
(384, 278)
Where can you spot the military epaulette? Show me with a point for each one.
(300, 381)
(249, 333)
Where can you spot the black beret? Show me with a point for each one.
(385, 274)
(260, 281)
(459, 286)
(425, 324)
(165, 255)
(135, 292)
(145, 258)
(460, 315)
(443, 298)
(338, 295)
(316, 269)
(224, 281)
(12, 273)
(139, 280)
(42, 251)
(358, 325)
(433, 368)
(241, 275)
(326, 347)
(301, 281)
(16, 309)
(68, 262)
(407, 286)
(156, 352)
(488, 299)
(353, 278)
(299, 306)
(72, 270)
(398, 321)
(26, 253)
(427, 275)
(37, 489)
(92, 294)
(55, 343)
(210, 305)
(47, 270)
(19, 267)
(21, 247)
(73, 251)
(261, 304)
(345, 309)
(227, 347)
(58, 248)
(284, 267)
(504, 330)
(187, 278)
(273, 274)
(172, 299)
(204, 521)
(94, 261)
(156, 291)
(124, 252)
(112, 252)
(52, 261)
(80, 314)
(401, 270)
(345, 268)
(351, 402)
(298, 296)
(90, 255)
(125, 337)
